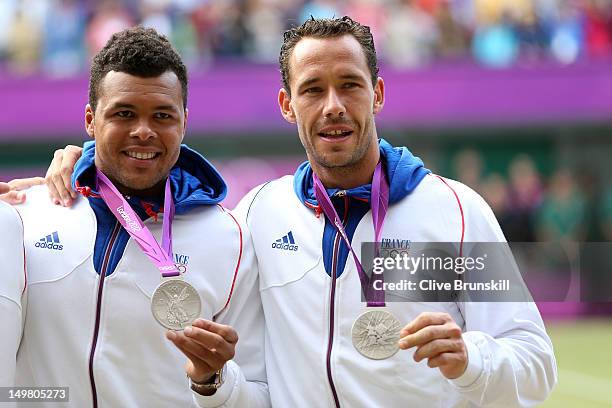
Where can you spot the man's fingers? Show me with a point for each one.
(13, 197)
(435, 348)
(199, 354)
(423, 320)
(211, 341)
(54, 195)
(444, 359)
(423, 336)
(22, 184)
(179, 343)
(60, 189)
(71, 155)
(55, 181)
(227, 332)
(66, 174)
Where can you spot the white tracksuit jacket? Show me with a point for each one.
(12, 284)
(70, 329)
(309, 352)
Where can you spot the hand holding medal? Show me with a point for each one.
(437, 338)
(208, 346)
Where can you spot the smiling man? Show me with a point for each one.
(453, 354)
(445, 354)
(108, 277)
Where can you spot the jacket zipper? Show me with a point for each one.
(94, 341)
(332, 303)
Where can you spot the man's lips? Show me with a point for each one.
(141, 155)
(335, 133)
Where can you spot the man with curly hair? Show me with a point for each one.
(91, 303)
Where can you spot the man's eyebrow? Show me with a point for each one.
(309, 81)
(119, 105)
(124, 105)
(166, 107)
(352, 77)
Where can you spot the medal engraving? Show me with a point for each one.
(375, 334)
(175, 304)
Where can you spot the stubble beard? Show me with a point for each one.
(350, 163)
(135, 183)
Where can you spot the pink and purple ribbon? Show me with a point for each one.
(379, 200)
(161, 256)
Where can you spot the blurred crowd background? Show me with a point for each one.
(58, 37)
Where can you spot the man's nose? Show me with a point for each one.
(143, 130)
(333, 105)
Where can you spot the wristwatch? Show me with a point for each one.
(212, 384)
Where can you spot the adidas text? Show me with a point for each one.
(286, 247)
(49, 245)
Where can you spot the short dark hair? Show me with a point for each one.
(328, 28)
(137, 51)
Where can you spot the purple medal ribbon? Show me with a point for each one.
(379, 200)
(161, 256)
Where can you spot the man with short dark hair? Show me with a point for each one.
(146, 270)
(326, 346)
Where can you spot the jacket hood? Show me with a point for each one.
(404, 172)
(193, 179)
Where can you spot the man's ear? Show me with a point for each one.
(185, 123)
(89, 121)
(284, 102)
(379, 96)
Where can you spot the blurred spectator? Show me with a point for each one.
(155, 14)
(64, 54)
(319, 9)
(525, 194)
(496, 44)
(605, 215)
(411, 35)
(561, 217)
(567, 35)
(265, 26)
(8, 9)
(495, 192)
(24, 40)
(110, 16)
(185, 38)
(598, 24)
(467, 167)
(371, 13)
(453, 38)
(532, 36)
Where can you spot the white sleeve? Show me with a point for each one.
(510, 356)
(245, 384)
(12, 287)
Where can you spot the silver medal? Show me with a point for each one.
(175, 304)
(375, 334)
